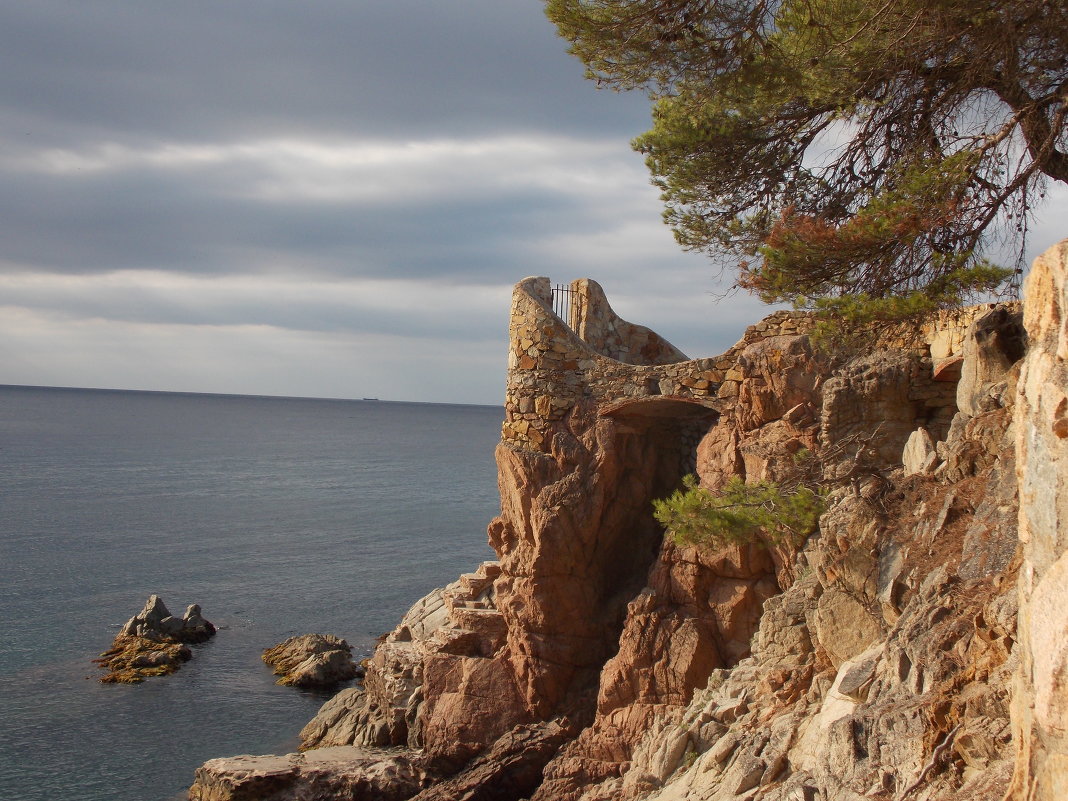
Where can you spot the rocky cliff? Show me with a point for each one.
(598, 659)
(1040, 694)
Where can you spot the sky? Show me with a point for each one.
(322, 199)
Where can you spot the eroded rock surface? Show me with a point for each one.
(1040, 707)
(880, 672)
(354, 774)
(312, 660)
(598, 660)
(448, 636)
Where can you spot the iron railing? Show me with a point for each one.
(562, 304)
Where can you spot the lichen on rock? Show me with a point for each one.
(153, 643)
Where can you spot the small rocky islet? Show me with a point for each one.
(156, 643)
(312, 661)
(153, 643)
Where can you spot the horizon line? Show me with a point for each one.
(246, 395)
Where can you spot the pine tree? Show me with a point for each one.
(865, 148)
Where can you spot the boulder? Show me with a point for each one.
(844, 626)
(919, 455)
(312, 660)
(992, 345)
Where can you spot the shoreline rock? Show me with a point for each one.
(315, 661)
(153, 643)
(358, 774)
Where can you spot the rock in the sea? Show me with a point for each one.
(153, 643)
(156, 621)
(195, 628)
(312, 660)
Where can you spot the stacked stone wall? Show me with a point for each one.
(607, 361)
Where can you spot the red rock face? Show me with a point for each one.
(577, 544)
(770, 412)
(470, 702)
(576, 538)
(574, 662)
(697, 614)
(700, 607)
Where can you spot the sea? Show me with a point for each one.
(279, 516)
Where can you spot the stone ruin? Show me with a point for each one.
(630, 372)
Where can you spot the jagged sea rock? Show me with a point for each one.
(153, 643)
(312, 660)
(154, 620)
(195, 628)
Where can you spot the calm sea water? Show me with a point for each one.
(279, 516)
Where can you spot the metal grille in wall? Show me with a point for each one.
(562, 296)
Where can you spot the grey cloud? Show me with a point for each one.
(204, 70)
(355, 313)
(206, 218)
(144, 221)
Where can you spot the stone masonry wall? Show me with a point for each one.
(614, 363)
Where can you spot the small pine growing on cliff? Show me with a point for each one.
(694, 515)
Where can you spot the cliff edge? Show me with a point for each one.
(598, 659)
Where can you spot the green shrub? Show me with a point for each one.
(695, 516)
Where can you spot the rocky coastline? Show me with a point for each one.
(914, 647)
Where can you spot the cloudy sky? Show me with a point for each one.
(331, 198)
